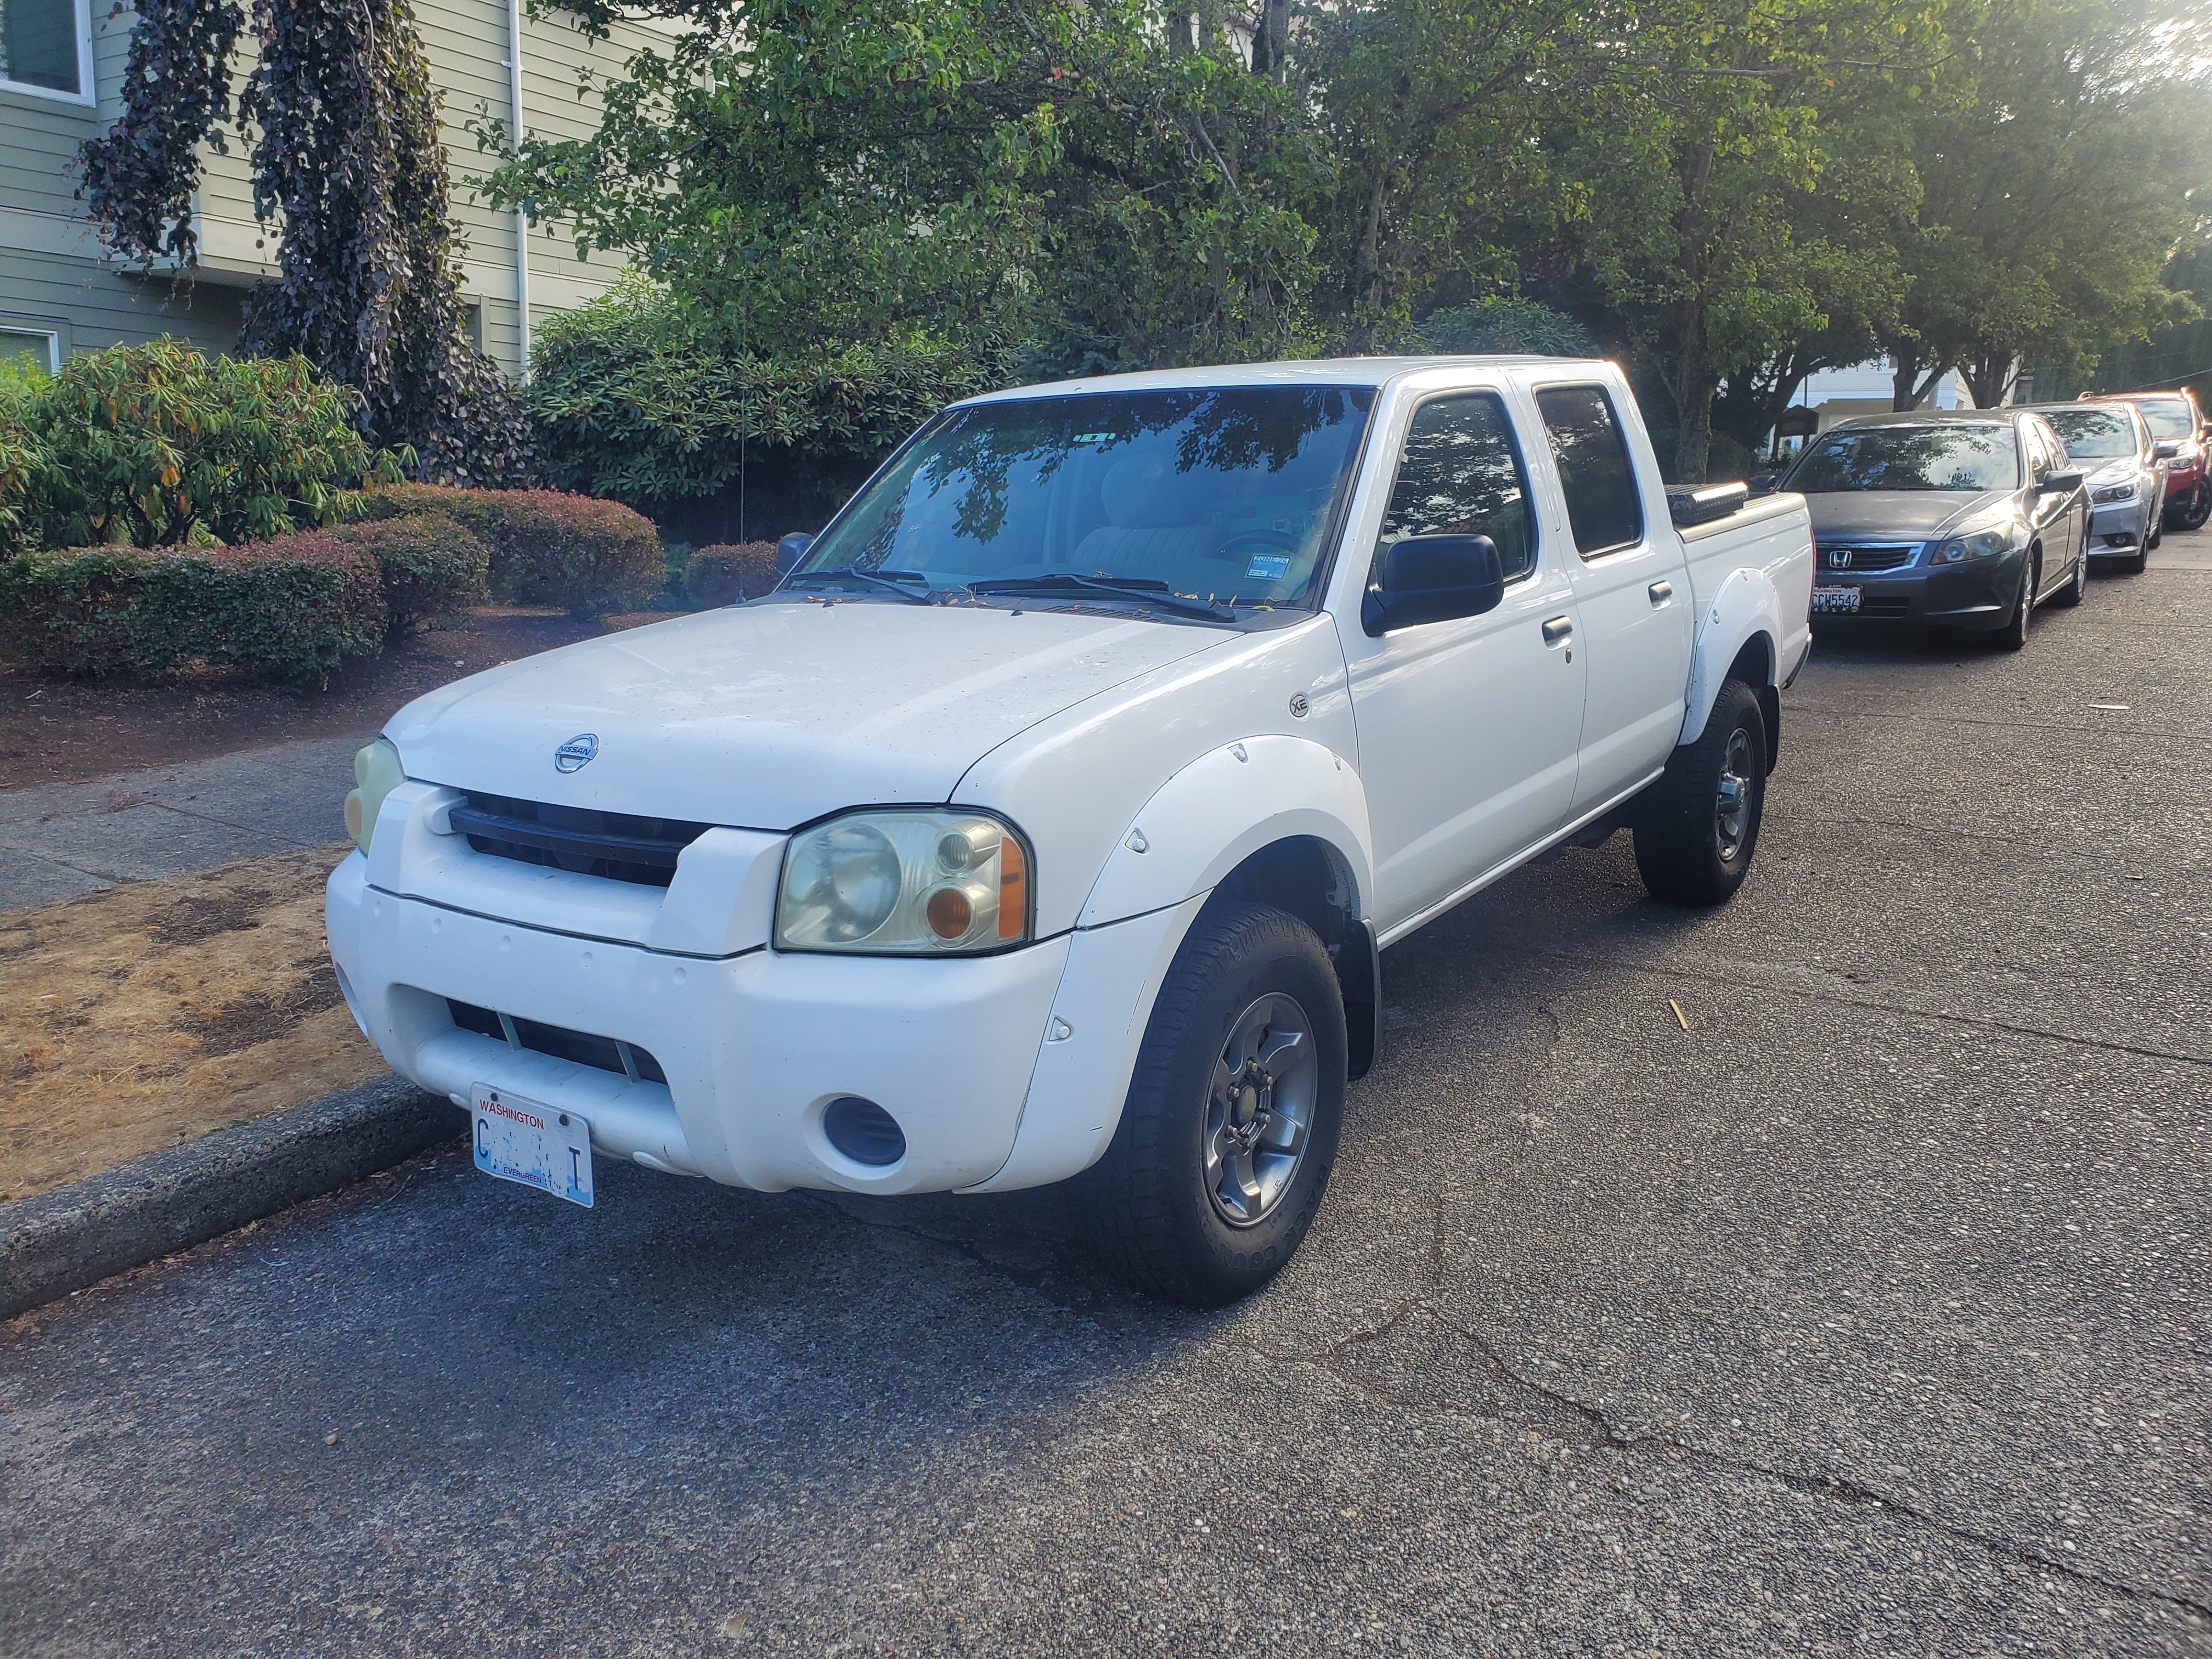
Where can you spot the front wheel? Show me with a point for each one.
(2014, 635)
(1697, 828)
(1218, 1166)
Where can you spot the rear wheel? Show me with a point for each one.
(1224, 1149)
(1698, 827)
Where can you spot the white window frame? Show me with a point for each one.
(84, 96)
(51, 335)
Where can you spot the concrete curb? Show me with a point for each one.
(79, 1234)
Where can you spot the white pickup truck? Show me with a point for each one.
(1051, 816)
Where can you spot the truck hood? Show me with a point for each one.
(1899, 515)
(767, 716)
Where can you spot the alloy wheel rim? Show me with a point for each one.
(1732, 801)
(1259, 1109)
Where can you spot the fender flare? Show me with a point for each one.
(1222, 808)
(1747, 606)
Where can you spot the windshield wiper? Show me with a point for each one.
(1126, 587)
(887, 579)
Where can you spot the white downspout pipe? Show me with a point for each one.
(521, 218)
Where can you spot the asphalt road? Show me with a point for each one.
(1867, 1315)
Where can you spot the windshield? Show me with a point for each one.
(1946, 457)
(1222, 494)
(2093, 434)
(2168, 417)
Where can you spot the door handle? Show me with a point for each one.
(1660, 591)
(1559, 628)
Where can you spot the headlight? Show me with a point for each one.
(377, 772)
(2111, 493)
(904, 883)
(1981, 544)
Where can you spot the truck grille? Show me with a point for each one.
(1866, 556)
(615, 845)
(608, 1054)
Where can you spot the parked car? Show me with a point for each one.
(1051, 816)
(1962, 517)
(2113, 444)
(2180, 429)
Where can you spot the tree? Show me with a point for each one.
(2057, 180)
(341, 119)
(1733, 166)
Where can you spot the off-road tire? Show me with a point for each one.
(2014, 635)
(1679, 842)
(1146, 1205)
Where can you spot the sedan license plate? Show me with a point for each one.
(1835, 599)
(538, 1145)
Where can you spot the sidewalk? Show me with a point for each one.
(61, 839)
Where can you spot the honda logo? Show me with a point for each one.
(1840, 558)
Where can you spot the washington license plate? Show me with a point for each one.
(1835, 599)
(540, 1145)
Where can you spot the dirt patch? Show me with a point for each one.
(55, 731)
(148, 1014)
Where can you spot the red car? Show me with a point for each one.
(2178, 426)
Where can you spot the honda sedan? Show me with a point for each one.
(1963, 518)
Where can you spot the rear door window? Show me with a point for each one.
(1461, 475)
(1604, 506)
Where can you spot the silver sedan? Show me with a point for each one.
(2126, 479)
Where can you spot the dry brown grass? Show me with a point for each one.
(149, 1014)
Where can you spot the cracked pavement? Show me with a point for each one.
(1867, 1315)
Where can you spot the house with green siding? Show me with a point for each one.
(61, 75)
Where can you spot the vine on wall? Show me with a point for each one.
(342, 124)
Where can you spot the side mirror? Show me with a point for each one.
(2060, 483)
(1764, 483)
(1429, 579)
(2166, 449)
(790, 551)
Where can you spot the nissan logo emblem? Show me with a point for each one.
(576, 754)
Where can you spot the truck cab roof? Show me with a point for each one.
(1320, 371)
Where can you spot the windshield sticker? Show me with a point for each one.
(1268, 567)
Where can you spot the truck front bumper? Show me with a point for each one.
(754, 1046)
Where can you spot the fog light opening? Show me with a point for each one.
(864, 1132)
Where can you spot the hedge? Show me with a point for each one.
(432, 567)
(293, 611)
(730, 571)
(546, 548)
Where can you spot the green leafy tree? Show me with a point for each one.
(1734, 167)
(2059, 174)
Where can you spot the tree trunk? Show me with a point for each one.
(1694, 383)
(1989, 377)
(1902, 382)
(1271, 41)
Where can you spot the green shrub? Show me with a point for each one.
(638, 397)
(432, 567)
(547, 548)
(292, 611)
(161, 445)
(730, 571)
